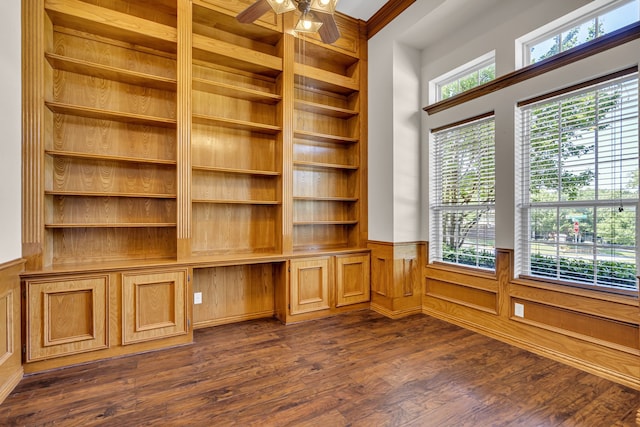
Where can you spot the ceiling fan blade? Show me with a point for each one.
(253, 12)
(328, 32)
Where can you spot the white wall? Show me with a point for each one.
(447, 34)
(10, 124)
(407, 220)
(394, 129)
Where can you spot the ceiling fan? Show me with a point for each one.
(315, 15)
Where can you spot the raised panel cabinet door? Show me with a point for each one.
(66, 316)
(153, 305)
(352, 279)
(310, 284)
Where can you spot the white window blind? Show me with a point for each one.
(462, 204)
(579, 186)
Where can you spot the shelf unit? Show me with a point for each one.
(236, 135)
(110, 152)
(327, 189)
(170, 149)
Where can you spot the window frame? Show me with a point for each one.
(555, 28)
(437, 207)
(456, 74)
(525, 206)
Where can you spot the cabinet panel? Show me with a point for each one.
(67, 316)
(310, 284)
(153, 306)
(352, 279)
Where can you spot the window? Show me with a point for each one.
(470, 75)
(579, 186)
(462, 205)
(590, 25)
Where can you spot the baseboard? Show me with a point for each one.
(582, 364)
(395, 314)
(7, 387)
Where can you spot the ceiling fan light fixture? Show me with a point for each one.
(282, 6)
(307, 24)
(325, 6)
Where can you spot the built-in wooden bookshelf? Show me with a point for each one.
(110, 151)
(236, 135)
(327, 148)
(170, 149)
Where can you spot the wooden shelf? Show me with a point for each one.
(326, 110)
(224, 89)
(236, 202)
(93, 156)
(234, 56)
(235, 170)
(304, 134)
(114, 225)
(352, 222)
(79, 66)
(213, 18)
(109, 23)
(118, 116)
(325, 199)
(110, 194)
(323, 165)
(236, 124)
(308, 76)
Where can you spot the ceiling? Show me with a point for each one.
(360, 9)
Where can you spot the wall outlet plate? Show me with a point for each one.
(197, 297)
(518, 310)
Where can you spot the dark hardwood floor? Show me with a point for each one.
(358, 369)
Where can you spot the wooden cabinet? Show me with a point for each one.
(163, 137)
(153, 305)
(322, 286)
(310, 284)
(68, 315)
(352, 279)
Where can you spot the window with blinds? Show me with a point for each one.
(579, 185)
(462, 188)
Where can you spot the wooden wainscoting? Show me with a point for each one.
(11, 371)
(395, 277)
(593, 331)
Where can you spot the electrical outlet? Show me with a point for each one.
(197, 298)
(518, 310)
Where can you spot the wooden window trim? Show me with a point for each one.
(601, 44)
(463, 122)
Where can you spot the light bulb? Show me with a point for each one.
(279, 1)
(324, 2)
(306, 24)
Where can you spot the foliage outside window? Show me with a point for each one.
(580, 189)
(467, 79)
(462, 205)
(605, 21)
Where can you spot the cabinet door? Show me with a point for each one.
(352, 279)
(66, 316)
(153, 305)
(310, 282)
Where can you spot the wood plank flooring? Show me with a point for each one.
(357, 369)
